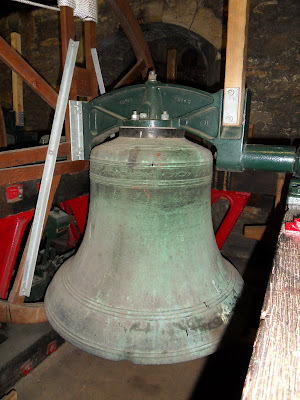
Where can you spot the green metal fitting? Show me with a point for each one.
(269, 158)
(293, 197)
(171, 106)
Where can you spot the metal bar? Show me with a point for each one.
(49, 168)
(98, 71)
(269, 158)
(14, 61)
(76, 125)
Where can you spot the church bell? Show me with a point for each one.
(148, 283)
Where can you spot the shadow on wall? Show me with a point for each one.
(198, 61)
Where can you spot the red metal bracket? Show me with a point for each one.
(237, 201)
(52, 347)
(26, 368)
(293, 228)
(14, 193)
(12, 229)
(78, 207)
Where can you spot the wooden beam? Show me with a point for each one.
(236, 54)
(255, 232)
(134, 32)
(17, 83)
(14, 158)
(30, 313)
(273, 371)
(3, 137)
(32, 172)
(67, 33)
(14, 61)
(90, 42)
(135, 71)
(10, 396)
(171, 65)
(279, 187)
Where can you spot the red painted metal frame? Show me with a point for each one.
(293, 228)
(78, 207)
(11, 232)
(237, 201)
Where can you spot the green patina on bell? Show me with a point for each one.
(148, 283)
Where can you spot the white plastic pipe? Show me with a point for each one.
(43, 197)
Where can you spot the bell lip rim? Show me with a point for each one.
(181, 356)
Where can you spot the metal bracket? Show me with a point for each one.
(231, 106)
(76, 130)
(98, 71)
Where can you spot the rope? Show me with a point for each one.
(32, 3)
(85, 9)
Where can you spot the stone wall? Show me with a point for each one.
(273, 53)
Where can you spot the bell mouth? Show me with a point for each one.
(151, 132)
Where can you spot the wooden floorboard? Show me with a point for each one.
(274, 370)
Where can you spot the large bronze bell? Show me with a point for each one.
(148, 283)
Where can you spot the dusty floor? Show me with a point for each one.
(70, 373)
(73, 374)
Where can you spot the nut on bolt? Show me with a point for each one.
(165, 116)
(135, 115)
(143, 115)
(152, 76)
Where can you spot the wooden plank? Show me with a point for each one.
(67, 33)
(32, 172)
(255, 232)
(14, 158)
(10, 396)
(279, 187)
(134, 33)
(236, 50)
(31, 313)
(83, 82)
(135, 71)
(90, 42)
(3, 137)
(14, 61)
(17, 83)
(274, 368)
(171, 65)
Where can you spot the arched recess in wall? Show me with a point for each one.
(198, 61)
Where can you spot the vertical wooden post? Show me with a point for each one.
(236, 54)
(67, 33)
(3, 138)
(17, 82)
(90, 42)
(171, 65)
(279, 187)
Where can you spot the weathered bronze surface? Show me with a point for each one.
(148, 283)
